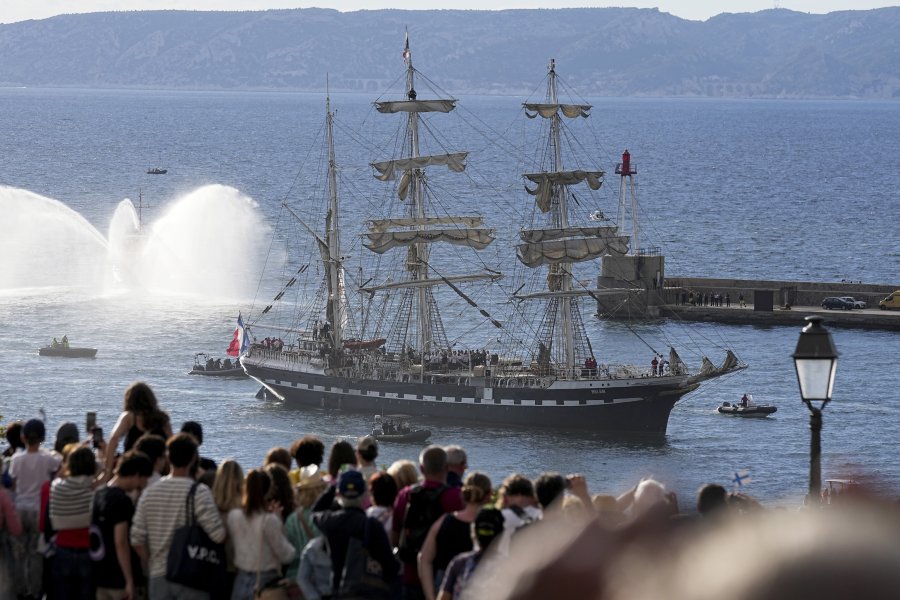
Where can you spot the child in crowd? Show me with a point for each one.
(29, 471)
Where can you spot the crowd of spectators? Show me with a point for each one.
(85, 521)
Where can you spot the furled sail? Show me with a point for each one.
(570, 251)
(545, 235)
(416, 106)
(570, 111)
(388, 169)
(546, 181)
(381, 242)
(378, 225)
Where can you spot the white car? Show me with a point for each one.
(856, 303)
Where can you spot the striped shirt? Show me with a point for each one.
(70, 502)
(162, 509)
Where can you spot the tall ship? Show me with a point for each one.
(396, 351)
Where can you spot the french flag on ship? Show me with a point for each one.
(239, 341)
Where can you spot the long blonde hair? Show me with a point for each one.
(228, 487)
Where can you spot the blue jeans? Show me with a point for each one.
(73, 577)
(245, 583)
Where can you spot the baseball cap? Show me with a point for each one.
(366, 442)
(351, 485)
(488, 523)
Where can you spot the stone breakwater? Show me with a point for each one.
(796, 293)
(767, 302)
(802, 297)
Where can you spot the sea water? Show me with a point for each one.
(769, 189)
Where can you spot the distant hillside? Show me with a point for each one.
(603, 51)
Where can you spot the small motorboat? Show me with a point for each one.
(208, 366)
(395, 428)
(68, 351)
(157, 171)
(745, 407)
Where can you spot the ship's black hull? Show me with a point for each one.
(636, 407)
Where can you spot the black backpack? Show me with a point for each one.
(363, 576)
(423, 509)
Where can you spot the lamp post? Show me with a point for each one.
(815, 360)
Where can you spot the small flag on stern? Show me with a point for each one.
(741, 478)
(240, 341)
(406, 49)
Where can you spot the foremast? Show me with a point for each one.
(420, 228)
(562, 244)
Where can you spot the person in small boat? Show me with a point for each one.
(745, 401)
(210, 364)
(227, 364)
(65, 342)
(54, 343)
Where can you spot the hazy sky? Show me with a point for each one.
(20, 10)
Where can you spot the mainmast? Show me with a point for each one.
(417, 260)
(333, 265)
(417, 229)
(561, 270)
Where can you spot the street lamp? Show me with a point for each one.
(816, 362)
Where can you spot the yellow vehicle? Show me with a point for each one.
(891, 302)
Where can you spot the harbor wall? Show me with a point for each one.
(793, 300)
(808, 293)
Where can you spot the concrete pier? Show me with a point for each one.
(767, 302)
(869, 318)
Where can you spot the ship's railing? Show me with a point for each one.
(287, 354)
(603, 372)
